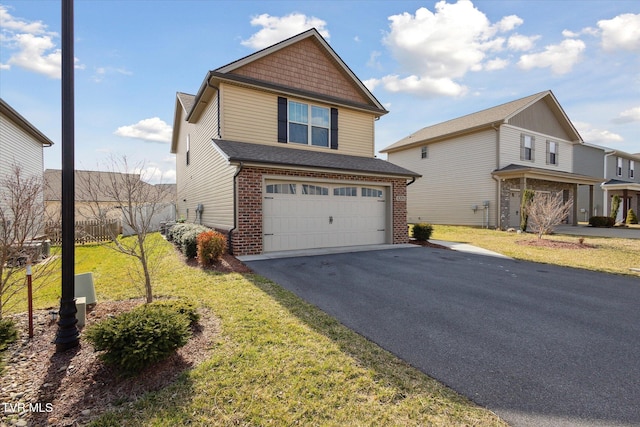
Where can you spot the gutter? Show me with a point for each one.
(235, 208)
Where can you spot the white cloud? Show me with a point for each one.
(153, 129)
(560, 58)
(419, 85)
(33, 46)
(628, 116)
(102, 72)
(621, 32)
(596, 136)
(521, 43)
(275, 29)
(437, 48)
(154, 175)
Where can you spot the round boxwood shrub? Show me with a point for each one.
(136, 339)
(602, 221)
(422, 231)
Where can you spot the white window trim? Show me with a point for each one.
(309, 124)
(523, 148)
(619, 164)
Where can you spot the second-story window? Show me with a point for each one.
(632, 167)
(552, 153)
(424, 152)
(619, 166)
(527, 147)
(188, 147)
(308, 124)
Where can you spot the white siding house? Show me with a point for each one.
(476, 167)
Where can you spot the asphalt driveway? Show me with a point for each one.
(538, 344)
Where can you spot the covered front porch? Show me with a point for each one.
(629, 193)
(514, 179)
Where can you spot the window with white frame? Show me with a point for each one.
(527, 147)
(371, 192)
(315, 190)
(281, 189)
(552, 153)
(424, 152)
(619, 166)
(188, 148)
(345, 191)
(632, 167)
(309, 124)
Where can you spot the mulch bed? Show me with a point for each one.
(428, 244)
(555, 244)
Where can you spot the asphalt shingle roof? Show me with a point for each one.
(295, 157)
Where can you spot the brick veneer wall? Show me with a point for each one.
(247, 237)
(533, 184)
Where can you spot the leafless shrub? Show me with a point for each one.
(547, 210)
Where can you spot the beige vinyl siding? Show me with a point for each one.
(208, 179)
(510, 149)
(539, 118)
(252, 116)
(456, 175)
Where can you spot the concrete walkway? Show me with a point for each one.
(585, 230)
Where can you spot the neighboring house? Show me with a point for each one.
(277, 150)
(622, 179)
(93, 194)
(476, 167)
(21, 144)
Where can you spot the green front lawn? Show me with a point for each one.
(610, 255)
(278, 360)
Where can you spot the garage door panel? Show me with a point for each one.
(300, 221)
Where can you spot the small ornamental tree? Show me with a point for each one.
(547, 210)
(631, 217)
(527, 197)
(615, 206)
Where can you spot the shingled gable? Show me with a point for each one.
(486, 118)
(276, 68)
(184, 104)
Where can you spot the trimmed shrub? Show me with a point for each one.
(136, 339)
(602, 221)
(615, 206)
(527, 198)
(211, 245)
(422, 231)
(181, 306)
(184, 237)
(631, 217)
(8, 333)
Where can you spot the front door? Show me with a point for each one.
(514, 209)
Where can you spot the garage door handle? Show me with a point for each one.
(330, 220)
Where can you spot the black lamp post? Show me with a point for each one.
(67, 336)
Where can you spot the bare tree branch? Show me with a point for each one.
(546, 210)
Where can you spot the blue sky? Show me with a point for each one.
(426, 61)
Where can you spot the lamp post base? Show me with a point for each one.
(67, 336)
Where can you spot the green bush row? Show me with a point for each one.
(147, 334)
(602, 221)
(184, 236)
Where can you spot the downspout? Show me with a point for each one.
(413, 179)
(235, 207)
(499, 186)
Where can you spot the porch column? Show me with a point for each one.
(575, 204)
(625, 204)
(590, 201)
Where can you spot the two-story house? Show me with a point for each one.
(277, 150)
(476, 167)
(621, 178)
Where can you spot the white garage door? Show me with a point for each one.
(301, 215)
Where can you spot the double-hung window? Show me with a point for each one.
(424, 152)
(527, 147)
(309, 124)
(632, 167)
(552, 153)
(619, 166)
